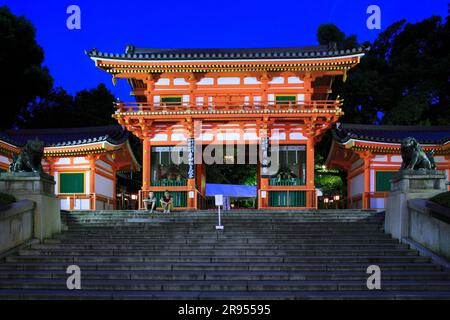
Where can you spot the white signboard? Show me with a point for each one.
(219, 199)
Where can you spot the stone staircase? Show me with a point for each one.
(259, 255)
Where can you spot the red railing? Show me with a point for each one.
(184, 106)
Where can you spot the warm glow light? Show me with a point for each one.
(133, 197)
(325, 200)
(336, 197)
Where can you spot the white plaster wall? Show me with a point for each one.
(103, 186)
(229, 80)
(372, 180)
(81, 204)
(65, 204)
(278, 136)
(4, 160)
(277, 80)
(180, 82)
(377, 203)
(357, 184)
(178, 137)
(56, 176)
(80, 160)
(159, 137)
(63, 161)
(380, 158)
(300, 97)
(250, 136)
(206, 81)
(396, 159)
(87, 186)
(163, 82)
(206, 136)
(297, 136)
(251, 80)
(103, 165)
(294, 80)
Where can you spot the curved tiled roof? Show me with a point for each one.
(62, 137)
(310, 52)
(393, 134)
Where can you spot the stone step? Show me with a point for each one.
(220, 252)
(259, 255)
(224, 236)
(220, 295)
(210, 226)
(224, 275)
(229, 258)
(226, 285)
(223, 266)
(250, 242)
(217, 245)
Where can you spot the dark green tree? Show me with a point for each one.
(59, 109)
(94, 107)
(21, 64)
(403, 79)
(329, 34)
(53, 111)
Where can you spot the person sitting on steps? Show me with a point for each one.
(150, 202)
(167, 202)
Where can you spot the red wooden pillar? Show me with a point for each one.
(310, 171)
(366, 193)
(146, 155)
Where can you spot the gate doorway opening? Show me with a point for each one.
(236, 177)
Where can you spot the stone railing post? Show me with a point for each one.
(405, 185)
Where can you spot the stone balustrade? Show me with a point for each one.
(16, 224)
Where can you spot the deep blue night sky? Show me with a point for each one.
(111, 25)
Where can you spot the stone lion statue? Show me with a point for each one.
(414, 157)
(30, 158)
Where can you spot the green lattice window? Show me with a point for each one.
(171, 101)
(287, 198)
(382, 181)
(286, 182)
(169, 183)
(297, 198)
(282, 99)
(179, 198)
(71, 182)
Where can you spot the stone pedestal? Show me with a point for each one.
(40, 188)
(405, 185)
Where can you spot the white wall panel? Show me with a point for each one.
(357, 184)
(103, 186)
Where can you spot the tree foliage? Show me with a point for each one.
(329, 34)
(21, 64)
(59, 109)
(232, 174)
(403, 79)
